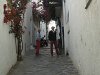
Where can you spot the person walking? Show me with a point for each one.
(52, 39)
(38, 42)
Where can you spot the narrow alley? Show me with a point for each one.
(28, 27)
(44, 64)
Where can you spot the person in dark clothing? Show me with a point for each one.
(44, 41)
(52, 39)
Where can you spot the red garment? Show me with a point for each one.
(37, 47)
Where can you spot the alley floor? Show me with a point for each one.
(44, 64)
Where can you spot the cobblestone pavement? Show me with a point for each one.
(44, 64)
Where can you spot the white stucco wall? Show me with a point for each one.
(65, 23)
(43, 29)
(85, 36)
(8, 56)
(28, 28)
(7, 45)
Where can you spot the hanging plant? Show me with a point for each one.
(13, 11)
(40, 10)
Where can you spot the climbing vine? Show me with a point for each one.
(14, 14)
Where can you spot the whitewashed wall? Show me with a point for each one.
(8, 56)
(43, 29)
(28, 26)
(7, 45)
(85, 36)
(65, 23)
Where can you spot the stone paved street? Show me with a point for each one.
(44, 64)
